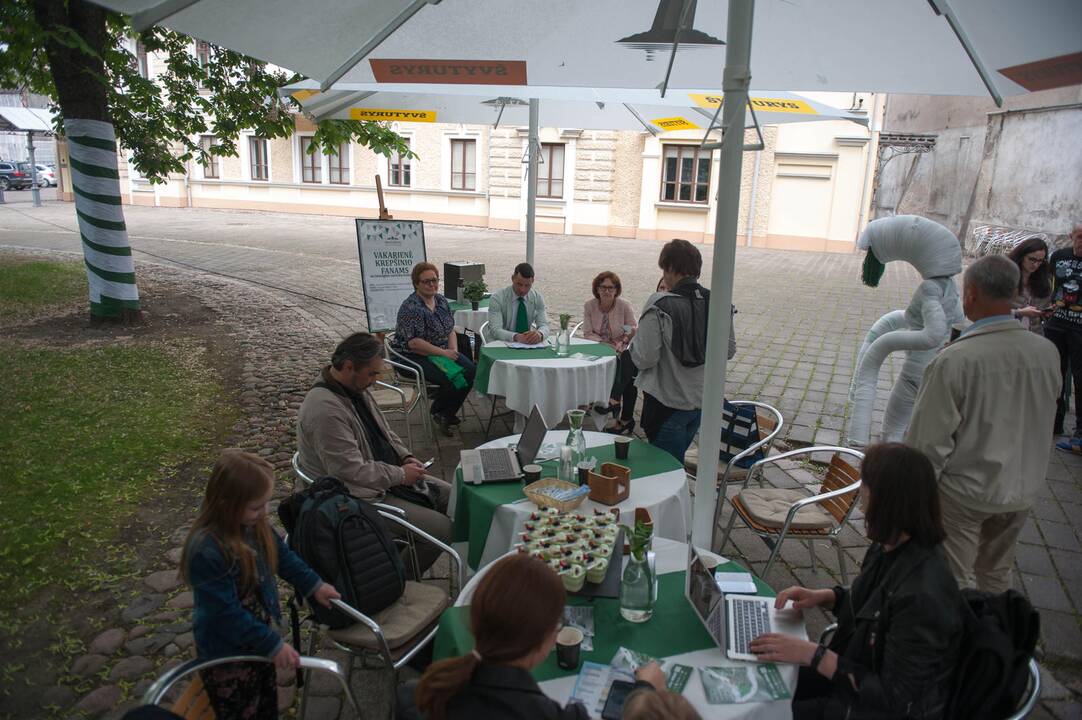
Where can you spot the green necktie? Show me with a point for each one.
(522, 319)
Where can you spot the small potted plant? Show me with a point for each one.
(638, 582)
(474, 291)
(563, 340)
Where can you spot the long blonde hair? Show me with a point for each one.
(238, 478)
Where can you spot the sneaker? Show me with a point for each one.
(1071, 445)
(443, 423)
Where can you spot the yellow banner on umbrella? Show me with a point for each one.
(302, 95)
(675, 123)
(762, 104)
(386, 115)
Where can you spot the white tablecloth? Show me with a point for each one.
(555, 385)
(471, 320)
(672, 556)
(665, 495)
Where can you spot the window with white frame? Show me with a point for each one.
(338, 165)
(398, 169)
(463, 164)
(550, 171)
(311, 163)
(210, 164)
(258, 164)
(141, 61)
(685, 176)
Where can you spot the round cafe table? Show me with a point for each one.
(525, 378)
(674, 633)
(467, 318)
(489, 517)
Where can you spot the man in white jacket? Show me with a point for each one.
(984, 418)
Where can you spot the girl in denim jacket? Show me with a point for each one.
(230, 559)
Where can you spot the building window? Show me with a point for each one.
(398, 169)
(550, 171)
(463, 164)
(257, 158)
(210, 168)
(338, 165)
(141, 59)
(311, 165)
(202, 53)
(686, 174)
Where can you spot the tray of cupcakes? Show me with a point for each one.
(583, 548)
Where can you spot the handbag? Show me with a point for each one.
(739, 431)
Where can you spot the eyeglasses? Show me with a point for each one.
(607, 288)
(1034, 260)
(429, 281)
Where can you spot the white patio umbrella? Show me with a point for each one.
(953, 47)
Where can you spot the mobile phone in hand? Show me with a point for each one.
(428, 463)
(614, 704)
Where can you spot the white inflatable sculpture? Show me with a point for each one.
(920, 330)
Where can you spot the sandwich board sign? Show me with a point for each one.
(388, 250)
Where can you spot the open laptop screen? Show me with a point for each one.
(705, 597)
(532, 437)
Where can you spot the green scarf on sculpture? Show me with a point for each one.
(522, 319)
(451, 369)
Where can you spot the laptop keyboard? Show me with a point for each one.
(497, 463)
(751, 619)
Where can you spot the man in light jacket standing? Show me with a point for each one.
(984, 418)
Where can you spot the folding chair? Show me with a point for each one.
(194, 704)
(397, 393)
(770, 423)
(397, 633)
(775, 513)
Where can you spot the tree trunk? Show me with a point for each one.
(81, 93)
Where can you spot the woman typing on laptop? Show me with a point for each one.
(900, 624)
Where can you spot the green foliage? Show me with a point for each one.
(873, 269)
(87, 434)
(160, 120)
(474, 290)
(638, 537)
(33, 286)
(565, 320)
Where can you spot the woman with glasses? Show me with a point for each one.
(425, 333)
(610, 319)
(1035, 283)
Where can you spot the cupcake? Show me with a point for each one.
(573, 576)
(596, 569)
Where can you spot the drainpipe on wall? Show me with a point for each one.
(869, 167)
(754, 197)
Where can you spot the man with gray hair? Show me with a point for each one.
(983, 417)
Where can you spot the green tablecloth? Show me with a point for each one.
(475, 504)
(467, 305)
(490, 355)
(673, 629)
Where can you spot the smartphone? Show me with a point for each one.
(428, 463)
(614, 704)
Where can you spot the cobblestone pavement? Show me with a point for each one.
(801, 319)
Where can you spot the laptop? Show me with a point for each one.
(733, 621)
(487, 465)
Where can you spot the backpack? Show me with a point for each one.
(739, 431)
(348, 544)
(999, 638)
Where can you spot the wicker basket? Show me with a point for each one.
(541, 500)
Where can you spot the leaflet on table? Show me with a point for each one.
(739, 583)
(581, 617)
(584, 356)
(743, 684)
(527, 346)
(628, 661)
(594, 680)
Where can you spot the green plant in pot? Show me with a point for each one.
(565, 320)
(474, 291)
(638, 581)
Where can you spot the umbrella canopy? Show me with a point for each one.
(902, 46)
(585, 108)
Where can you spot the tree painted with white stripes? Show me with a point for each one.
(81, 56)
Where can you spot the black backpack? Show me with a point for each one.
(348, 544)
(992, 674)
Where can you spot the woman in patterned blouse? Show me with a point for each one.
(426, 331)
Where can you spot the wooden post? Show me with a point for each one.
(383, 214)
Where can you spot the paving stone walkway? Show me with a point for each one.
(293, 289)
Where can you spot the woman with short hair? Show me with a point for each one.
(1035, 283)
(425, 333)
(610, 319)
(900, 624)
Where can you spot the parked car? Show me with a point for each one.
(14, 176)
(46, 176)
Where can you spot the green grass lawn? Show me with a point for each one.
(86, 435)
(32, 286)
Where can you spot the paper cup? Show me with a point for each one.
(569, 648)
(532, 473)
(623, 445)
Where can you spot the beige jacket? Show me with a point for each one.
(331, 441)
(984, 416)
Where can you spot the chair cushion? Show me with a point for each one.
(691, 463)
(419, 607)
(387, 398)
(770, 506)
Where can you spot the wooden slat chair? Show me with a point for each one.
(776, 513)
(770, 424)
(194, 704)
(399, 392)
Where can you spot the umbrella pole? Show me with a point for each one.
(531, 179)
(735, 83)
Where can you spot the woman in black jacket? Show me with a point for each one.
(900, 624)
